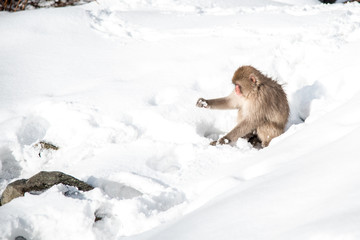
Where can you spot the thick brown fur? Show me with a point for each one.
(262, 106)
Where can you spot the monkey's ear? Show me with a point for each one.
(254, 79)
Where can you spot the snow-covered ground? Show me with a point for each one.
(114, 84)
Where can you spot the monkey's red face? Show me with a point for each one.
(238, 89)
(243, 87)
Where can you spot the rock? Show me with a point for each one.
(333, 1)
(44, 180)
(13, 6)
(328, 1)
(98, 216)
(20, 238)
(45, 146)
(41, 182)
(13, 190)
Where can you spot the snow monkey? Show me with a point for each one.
(262, 105)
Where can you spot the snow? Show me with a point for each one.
(114, 85)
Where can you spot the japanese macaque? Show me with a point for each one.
(263, 109)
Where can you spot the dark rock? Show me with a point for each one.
(47, 145)
(328, 1)
(13, 190)
(41, 182)
(44, 180)
(98, 216)
(20, 238)
(19, 5)
(333, 1)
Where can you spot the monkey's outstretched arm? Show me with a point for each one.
(229, 102)
(240, 130)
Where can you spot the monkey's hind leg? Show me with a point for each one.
(267, 132)
(253, 139)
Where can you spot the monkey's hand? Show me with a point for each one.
(202, 103)
(221, 141)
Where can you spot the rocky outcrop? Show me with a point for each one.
(333, 1)
(328, 1)
(18, 5)
(41, 182)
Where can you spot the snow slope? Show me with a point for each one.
(114, 85)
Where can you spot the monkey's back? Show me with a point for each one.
(271, 103)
